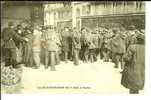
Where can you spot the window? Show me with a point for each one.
(88, 9)
(77, 12)
(130, 2)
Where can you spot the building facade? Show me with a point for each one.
(75, 14)
(92, 14)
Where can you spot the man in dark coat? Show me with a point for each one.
(133, 75)
(65, 43)
(9, 36)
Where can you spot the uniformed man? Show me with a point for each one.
(9, 36)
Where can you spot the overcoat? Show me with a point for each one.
(65, 39)
(118, 44)
(133, 75)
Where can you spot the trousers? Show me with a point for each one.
(76, 56)
(36, 57)
(50, 58)
(10, 57)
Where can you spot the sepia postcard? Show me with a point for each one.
(72, 47)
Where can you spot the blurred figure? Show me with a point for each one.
(58, 50)
(76, 45)
(52, 44)
(131, 35)
(19, 31)
(133, 75)
(65, 43)
(101, 42)
(118, 47)
(36, 45)
(70, 53)
(27, 47)
(94, 37)
(9, 35)
(19, 44)
(85, 42)
(106, 47)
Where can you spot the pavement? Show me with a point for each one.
(87, 78)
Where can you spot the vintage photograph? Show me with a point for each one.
(73, 47)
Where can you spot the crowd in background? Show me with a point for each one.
(49, 45)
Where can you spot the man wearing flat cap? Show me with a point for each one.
(9, 36)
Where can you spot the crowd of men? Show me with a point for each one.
(49, 45)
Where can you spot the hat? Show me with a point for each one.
(115, 30)
(10, 23)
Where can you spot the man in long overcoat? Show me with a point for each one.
(133, 75)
